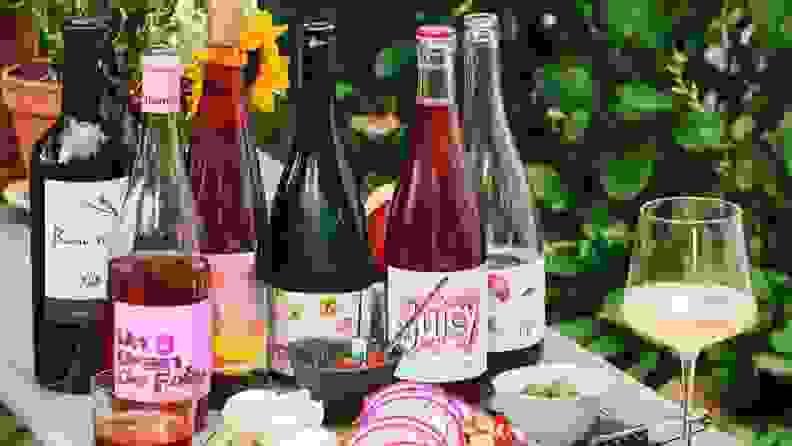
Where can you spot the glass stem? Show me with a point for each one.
(688, 374)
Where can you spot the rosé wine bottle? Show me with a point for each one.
(434, 231)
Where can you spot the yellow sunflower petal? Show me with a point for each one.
(262, 99)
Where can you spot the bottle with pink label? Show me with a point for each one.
(434, 232)
(162, 317)
(514, 261)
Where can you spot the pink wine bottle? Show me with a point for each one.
(433, 232)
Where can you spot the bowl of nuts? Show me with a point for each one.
(555, 404)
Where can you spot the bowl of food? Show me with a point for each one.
(556, 404)
(340, 372)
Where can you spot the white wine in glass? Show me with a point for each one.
(688, 317)
(689, 280)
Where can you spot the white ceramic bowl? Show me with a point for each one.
(552, 422)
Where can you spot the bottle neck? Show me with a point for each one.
(83, 83)
(483, 96)
(161, 144)
(222, 96)
(435, 74)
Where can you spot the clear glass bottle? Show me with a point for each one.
(158, 284)
(514, 261)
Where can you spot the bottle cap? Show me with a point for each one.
(435, 32)
(481, 20)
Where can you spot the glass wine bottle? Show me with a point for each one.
(158, 284)
(514, 261)
(434, 232)
(318, 260)
(79, 171)
(232, 214)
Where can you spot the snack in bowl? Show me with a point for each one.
(553, 403)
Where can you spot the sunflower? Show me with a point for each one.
(258, 32)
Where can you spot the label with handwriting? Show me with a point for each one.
(78, 220)
(162, 353)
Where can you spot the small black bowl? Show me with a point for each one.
(341, 390)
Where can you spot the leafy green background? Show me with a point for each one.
(629, 101)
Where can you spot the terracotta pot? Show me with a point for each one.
(34, 106)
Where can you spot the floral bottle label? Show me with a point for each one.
(300, 315)
(517, 305)
(162, 353)
(447, 341)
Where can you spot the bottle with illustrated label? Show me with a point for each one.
(231, 212)
(434, 232)
(79, 172)
(159, 286)
(317, 260)
(514, 261)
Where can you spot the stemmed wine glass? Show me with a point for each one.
(689, 281)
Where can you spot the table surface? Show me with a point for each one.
(626, 398)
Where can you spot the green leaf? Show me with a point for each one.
(578, 328)
(7, 427)
(626, 178)
(564, 264)
(781, 341)
(700, 129)
(585, 7)
(391, 60)
(572, 86)
(607, 345)
(581, 118)
(344, 89)
(643, 98)
(649, 360)
(638, 18)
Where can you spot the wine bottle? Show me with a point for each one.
(232, 213)
(162, 316)
(514, 262)
(317, 260)
(434, 232)
(79, 171)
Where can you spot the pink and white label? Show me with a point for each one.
(162, 353)
(161, 88)
(517, 305)
(240, 313)
(447, 341)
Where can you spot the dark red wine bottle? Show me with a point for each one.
(317, 260)
(515, 265)
(434, 232)
(79, 171)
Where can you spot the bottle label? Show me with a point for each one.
(161, 89)
(240, 314)
(446, 342)
(162, 353)
(517, 305)
(78, 220)
(300, 315)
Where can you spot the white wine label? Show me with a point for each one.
(447, 341)
(517, 305)
(300, 315)
(78, 220)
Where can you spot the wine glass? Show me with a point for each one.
(689, 281)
